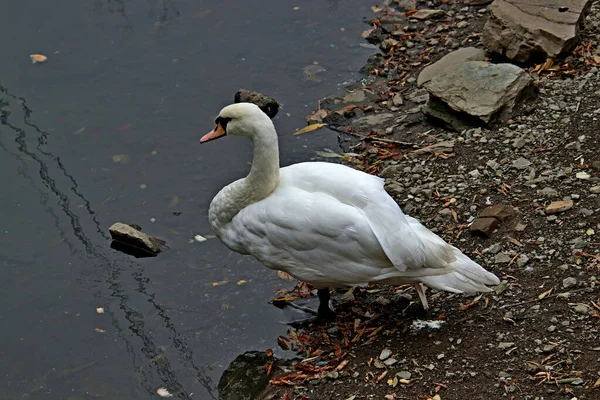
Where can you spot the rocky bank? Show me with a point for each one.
(484, 121)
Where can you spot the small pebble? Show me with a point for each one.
(385, 354)
(569, 282)
(403, 375)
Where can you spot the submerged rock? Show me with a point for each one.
(311, 72)
(245, 378)
(529, 31)
(131, 240)
(267, 104)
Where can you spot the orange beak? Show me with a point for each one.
(215, 134)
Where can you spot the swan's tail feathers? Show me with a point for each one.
(466, 277)
(470, 269)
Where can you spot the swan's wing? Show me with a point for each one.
(401, 244)
(312, 236)
(364, 199)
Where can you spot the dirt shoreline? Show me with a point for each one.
(537, 335)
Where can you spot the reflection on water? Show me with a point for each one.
(142, 79)
(156, 359)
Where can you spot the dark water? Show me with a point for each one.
(143, 79)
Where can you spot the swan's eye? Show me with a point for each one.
(223, 122)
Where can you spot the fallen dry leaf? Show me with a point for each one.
(383, 374)
(597, 59)
(268, 368)
(100, 330)
(242, 282)
(545, 294)
(515, 242)
(38, 58)
(317, 116)
(309, 128)
(471, 304)
(100, 310)
(342, 365)
(548, 64)
(328, 154)
(366, 33)
(284, 275)
(285, 298)
(284, 343)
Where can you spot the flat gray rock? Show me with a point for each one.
(532, 30)
(355, 97)
(456, 57)
(427, 14)
(479, 90)
(374, 119)
(137, 241)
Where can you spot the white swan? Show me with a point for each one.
(328, 224)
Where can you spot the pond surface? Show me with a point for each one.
(107, 130)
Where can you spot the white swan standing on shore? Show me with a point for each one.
(328, 224)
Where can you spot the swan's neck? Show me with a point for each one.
(260, 182)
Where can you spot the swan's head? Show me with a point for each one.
(240, 119)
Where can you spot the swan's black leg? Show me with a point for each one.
(324, 313)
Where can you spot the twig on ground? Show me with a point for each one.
(374, 139)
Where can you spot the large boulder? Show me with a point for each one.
(456, 57)
(530, 31)
(476, 91)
